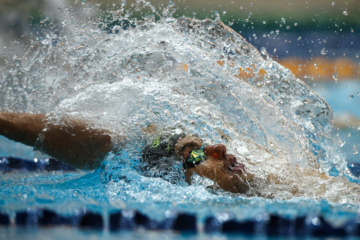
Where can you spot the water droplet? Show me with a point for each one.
(315, 65)
(333, 4)
(264, 22)
(295, 24)
(116, 29)
(263, 51)
(351, 96)
(299, 38)
(283, 20)
(355, 151)
(342, 143)
(44, 20)
(358, 94)
(224, 12)
(345, 13)
(315, 221)
(335, 77)
(323, 51)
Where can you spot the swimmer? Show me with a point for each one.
(78, 144)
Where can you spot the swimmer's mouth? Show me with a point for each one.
(237, 167)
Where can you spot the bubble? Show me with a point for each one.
(345, 13)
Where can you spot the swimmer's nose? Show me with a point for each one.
(231, 159)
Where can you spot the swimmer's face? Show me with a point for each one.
(220, 167)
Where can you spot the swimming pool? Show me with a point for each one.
(125, 82)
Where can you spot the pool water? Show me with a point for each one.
(195, 76)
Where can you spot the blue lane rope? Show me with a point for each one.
(132, 220)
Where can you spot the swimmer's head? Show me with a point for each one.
(216, 164)
(211, 161)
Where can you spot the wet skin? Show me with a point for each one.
(220, 167)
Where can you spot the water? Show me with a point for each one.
(198, 77)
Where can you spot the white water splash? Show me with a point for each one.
(199, 76)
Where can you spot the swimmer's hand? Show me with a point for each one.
(73, 142)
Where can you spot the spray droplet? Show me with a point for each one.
(349, 135)
(323, 51)
(299, 38)
(351, 96)
(335, 77)
(283, 20)
(263, 51)
(355, 151)
(264, 22)
(44, 20)
(333, 4)
(345, 13)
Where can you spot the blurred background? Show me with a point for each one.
(319, 40)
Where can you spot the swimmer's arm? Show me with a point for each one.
(72, 142)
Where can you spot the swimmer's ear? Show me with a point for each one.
(187, 141)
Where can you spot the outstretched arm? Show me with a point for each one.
(73, 142)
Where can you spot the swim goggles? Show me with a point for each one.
(196, 157)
